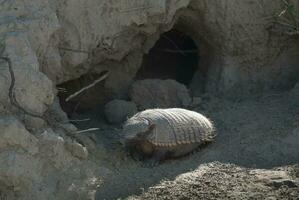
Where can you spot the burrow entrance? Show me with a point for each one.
(174, 56)
(91, 99)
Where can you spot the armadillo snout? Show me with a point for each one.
(132, 128)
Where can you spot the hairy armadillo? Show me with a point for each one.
(167, 133)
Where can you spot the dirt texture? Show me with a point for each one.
(227, 181)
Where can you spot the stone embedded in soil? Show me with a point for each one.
(14, 134)
(53, 147)
(117, 111)
(34, 123)
(156, 93)
(56, 111)
(77, 150)
(19, 170)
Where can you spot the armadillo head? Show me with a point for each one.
(133, 128)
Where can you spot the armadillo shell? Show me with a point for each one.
(177, 126)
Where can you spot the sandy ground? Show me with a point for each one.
(257, 132)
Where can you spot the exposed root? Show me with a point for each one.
(51, 122)
(11, 93)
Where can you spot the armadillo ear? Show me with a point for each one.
(151, 127)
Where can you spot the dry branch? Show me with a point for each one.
(87, 87)
(79, 120)
(87, 130)
(175, 45)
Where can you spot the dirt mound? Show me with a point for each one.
(227, 181)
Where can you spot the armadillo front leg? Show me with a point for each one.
(160, 155)
(157, 157)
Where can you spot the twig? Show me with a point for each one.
(79, 120)
(87, 87)
(282, 12)
(174, 44)
(87, 130)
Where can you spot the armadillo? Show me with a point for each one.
(167, 133)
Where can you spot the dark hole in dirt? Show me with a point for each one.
(174, 56)
(89, 100)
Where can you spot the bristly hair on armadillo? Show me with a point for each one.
(175, 126)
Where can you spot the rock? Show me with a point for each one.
(108, 46)
(55, 111)
(69, 127)
(18, 170)
(156, 93)
(88, 141)
(117, 111)
(77, 150)
(27, 177)
(53, 148)
(55, 42)
(275, 178)
(34, 123)
(13, 134)
(82, 182)
(229, 63)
